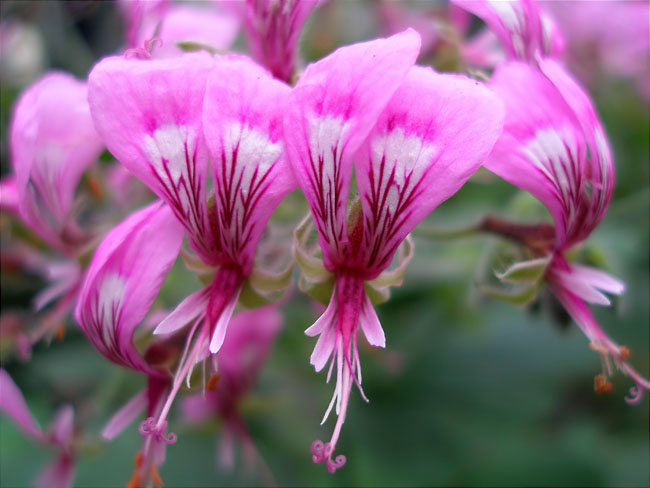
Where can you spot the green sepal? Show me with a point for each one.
(321, 291)
(516, 296)
(529, 272)
(378, 289)
(262, 288)
(308, 256)
(192, 262)
(192, 46)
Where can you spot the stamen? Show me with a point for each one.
(212, 382)
(624, 351)
(134, 482)
(138, 459)
(602, 384)
(155, 476)
(149, 427)
(60, 332)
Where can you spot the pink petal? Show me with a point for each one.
(47, 156)
(12, 404)
(123, 280)
(600, 165)
(598, 279)
(542, 149)
(199, 24)
(149, 115)
(141, 17)
(370, 324)
(273, 28)
(328, 316)
(332, 109)
(9, 195)
(61, 429)
(125, 416)
(185, 312)
(517, 24)
(325, 344)
(242, 120)
(435, 132)
(58, 474)
(196, 409)
(222, 323)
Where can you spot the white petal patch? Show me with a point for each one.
(408, 155)
(326, 136)
(108, 306)
(168, 144)
(555, 154)
(241, 179)
(171, 152)
(398, 162)
(513, 19)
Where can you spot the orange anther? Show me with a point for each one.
(138, 459)
(60, 332)
(134, 482)
(95, 188)
(625, 352)
(602, 384)
(212, 382)
(155, 475)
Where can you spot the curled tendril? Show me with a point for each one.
(137, 53)
(323, 452)
(338, 462)
(153, 43)
(636, 393)
(318, 451)
(149, 427)
(144, 52)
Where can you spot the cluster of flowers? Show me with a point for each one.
(221, 139)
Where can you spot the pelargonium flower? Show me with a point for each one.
(48, 159)
(415, 137)
(273, 28)
(240, 361)
(554, 146)
(60, 435)
(172, 122)
(124, 277)
(521, 26)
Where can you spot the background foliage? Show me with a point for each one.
(468, 392)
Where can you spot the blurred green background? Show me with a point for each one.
(468, 392)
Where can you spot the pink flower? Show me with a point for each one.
(606, 37)
(165, 26)
(556, 148)
(521, 26)
(415, 137)
(48, 157)
(60, 435)
(240, 361)
(273, 28)
(172, 122)
(124, 277)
